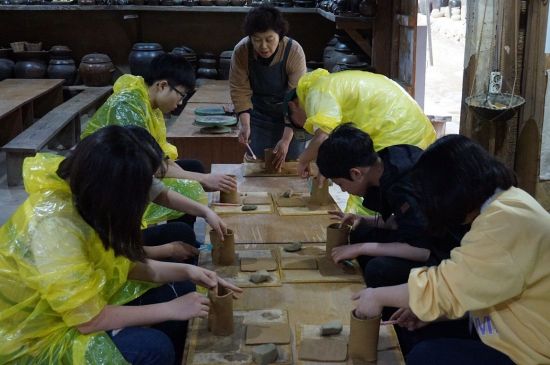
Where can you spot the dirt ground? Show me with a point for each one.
(444, 77)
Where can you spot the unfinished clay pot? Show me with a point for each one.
(336, 236)
(319, 195)
(223, 252)
(220, 316)
(231, 197)
(363, 338)
(269, 158)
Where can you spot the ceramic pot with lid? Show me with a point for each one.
(96, 69)
(141, 56)
(62, 69)
(60, 52)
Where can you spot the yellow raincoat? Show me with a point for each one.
(130, 105)
(55, 274)
(372, 102)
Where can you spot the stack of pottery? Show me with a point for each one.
(6, 64)
(283, 3)
(187, 53)
(304, 3)
(141, 56)
(208, 67)
(225, 64)
(61, 64)
(341, 50)
(96, 69)
(356, 65)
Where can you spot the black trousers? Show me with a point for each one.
(388, 271)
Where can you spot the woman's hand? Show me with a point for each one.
(218, 182)
(244, 128)
(346, 252)
(181, 251)
(188, 306)
(280, 150)
(404, 317)
(216, 223)
(209, 279)
(368, 305)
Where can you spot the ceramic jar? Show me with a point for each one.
(62, 69)
(60, 52)
(141, 56)
(30, 65)
(6, 65)
(225, 64)
(96, 69)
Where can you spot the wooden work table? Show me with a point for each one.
(23, 100)
(208, 148)
(311, 303)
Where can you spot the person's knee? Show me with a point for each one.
(376, 271)
(146, 346)
(421, 354)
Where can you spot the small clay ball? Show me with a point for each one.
(249, 207)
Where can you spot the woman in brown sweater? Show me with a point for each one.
(265, 65)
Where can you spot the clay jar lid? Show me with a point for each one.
(146, 47)
(94, 58)
(65, 61)
(60, 49)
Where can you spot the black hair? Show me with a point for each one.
(110, 174)
(455, 176)
(175, 70)
(264, 18)
(346, 147)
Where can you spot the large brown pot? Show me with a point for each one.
(141, 56)
(96, 69)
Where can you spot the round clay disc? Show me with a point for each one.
(215, 130)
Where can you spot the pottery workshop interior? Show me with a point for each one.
(309, 182)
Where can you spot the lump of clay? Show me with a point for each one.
(249, 207)
(265, 354)
(259, 276)
(331, 328)
(287, 194)
(293, 247)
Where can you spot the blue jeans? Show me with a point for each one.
(144, 346)
(454, 351)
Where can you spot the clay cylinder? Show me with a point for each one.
(319, 195)
(336, 236)
(363, 338)
(231, 197)
(269, 158)
(220, 315)
(223, 252)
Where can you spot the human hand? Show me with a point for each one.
(181, 251)
(367, 305)
(346, 252)
(219, 182)
(346, 219)
(216, 223)
(303, 169)
(209, 279)
(404, 317)
(188, 306)
(280, 150)
(244, 128)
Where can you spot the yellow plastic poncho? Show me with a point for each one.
(130, 105)
(55, 274)
(372, 102)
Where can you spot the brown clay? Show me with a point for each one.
(220, 316)
(231, 197)
(223, 253)
(269, 157)
(319, 195)
(363, 338)
(336, 236)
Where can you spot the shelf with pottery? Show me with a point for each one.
(196, 9)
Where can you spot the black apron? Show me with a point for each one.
(269, 84)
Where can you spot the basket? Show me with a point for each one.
(33, 46)
(18, 46)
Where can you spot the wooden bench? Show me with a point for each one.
(62, 122)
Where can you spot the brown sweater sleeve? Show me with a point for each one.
(239, 82)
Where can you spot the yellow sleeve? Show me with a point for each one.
(323, 111)
(67, 278)
(479, 274)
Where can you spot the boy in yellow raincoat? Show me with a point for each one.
(372, 102)
(72, 255)
(142, 102)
